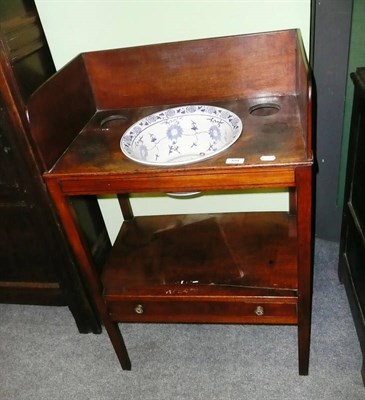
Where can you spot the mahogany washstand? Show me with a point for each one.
(216, 268)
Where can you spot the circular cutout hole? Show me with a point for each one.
(264, 109)
(112, 121)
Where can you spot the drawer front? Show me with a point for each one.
(355, 256)
(205, 311)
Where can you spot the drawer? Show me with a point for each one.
(257, 311)
(355, 256)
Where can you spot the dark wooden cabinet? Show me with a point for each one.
(352, 247)
(36, 265)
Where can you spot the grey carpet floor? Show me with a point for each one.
(43, 357)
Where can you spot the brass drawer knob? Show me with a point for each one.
(259, 311)
(138, 309)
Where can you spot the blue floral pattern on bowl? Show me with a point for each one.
(181, 135)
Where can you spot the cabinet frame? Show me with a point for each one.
(352, 243)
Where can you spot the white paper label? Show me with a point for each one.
(235, 160)
(267, 158)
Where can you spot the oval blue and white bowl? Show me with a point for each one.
(181, 135)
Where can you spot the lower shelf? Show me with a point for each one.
(42, 293)
(204, 268)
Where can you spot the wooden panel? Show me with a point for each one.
(304, 91)
(26, 50)
(71, 93)
(181, 182)
(32, 293)
(241, 66)
(22, 36)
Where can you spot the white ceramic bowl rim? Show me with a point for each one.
(181, 135)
